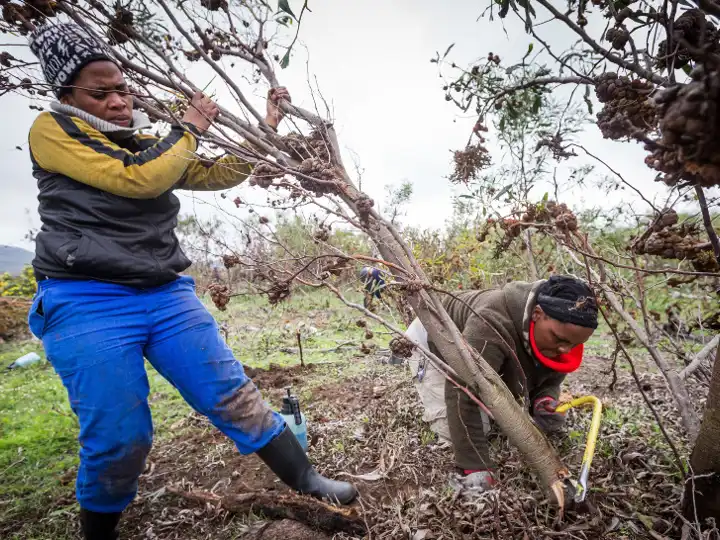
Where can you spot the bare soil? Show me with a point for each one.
(370, 426)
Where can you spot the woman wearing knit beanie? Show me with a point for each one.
(110, 292)
(533, 335)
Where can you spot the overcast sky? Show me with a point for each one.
(371, 59)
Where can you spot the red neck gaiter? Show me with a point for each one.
(564, 363)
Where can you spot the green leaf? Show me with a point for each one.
(537, 103)
(283, 5)
(466, 196)
(502, 192)
(530, 49)
(448, 50)
(504, 8)
(284, 20)
(546, 197)
(687, 69)
(285, 60)
(502, 124)
(587, 99)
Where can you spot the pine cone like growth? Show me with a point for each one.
(364, 206)
(278, 292)
(692, 34)
(230, 261)
(30, 10)
(121, 26)
(618, 37)
(214, 5)
(666, 239)
(369, 334)
(688, 151)
(555, 144)
(220, 295)
(302, 148)
(560, 213)
(320, 170)
(402, 347)
(322, 234)
(366, 348)
(566, 222)
(512, 227)
(483, 233)
(705, 261)
(6, 58)
(264, 174)
(42, 7)
(361, 323)
(627, 108)
(468, 163)
(335, 266)
(16, 16)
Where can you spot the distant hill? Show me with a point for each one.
(14, 259)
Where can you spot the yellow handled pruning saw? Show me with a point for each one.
(581, 485)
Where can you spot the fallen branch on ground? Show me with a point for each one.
(700, 357)
(314, 513)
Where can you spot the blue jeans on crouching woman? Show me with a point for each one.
(96, 335)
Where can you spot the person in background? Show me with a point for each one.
(374, 284)
(533, 335)
(110, 292)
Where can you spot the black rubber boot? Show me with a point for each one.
(288, 461)
(98, 525)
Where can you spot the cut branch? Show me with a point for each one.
(700, 357)
(707, 221)
(313, 513)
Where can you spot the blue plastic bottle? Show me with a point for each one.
(294, 418)
(25, 360)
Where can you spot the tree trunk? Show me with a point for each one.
(536, 451)
(512, 419)
(701, 499)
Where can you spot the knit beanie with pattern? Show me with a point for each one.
(63, 50)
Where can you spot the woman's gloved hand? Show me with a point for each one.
(545, 416)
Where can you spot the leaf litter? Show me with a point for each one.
(369, 426)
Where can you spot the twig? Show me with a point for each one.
(707, 221)
(631, 66)
(540, 81)
(638, 383)
(700, 357)
(677, 388)
(299, 342)
(531, 257)
(210, 61)
(599, 258)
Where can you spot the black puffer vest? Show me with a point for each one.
(87, 233)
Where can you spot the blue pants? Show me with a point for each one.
(96, 335)
(373, 280)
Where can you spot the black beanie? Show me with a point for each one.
(568, 300)
(63, 50)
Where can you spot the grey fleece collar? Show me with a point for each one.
(140, 120)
